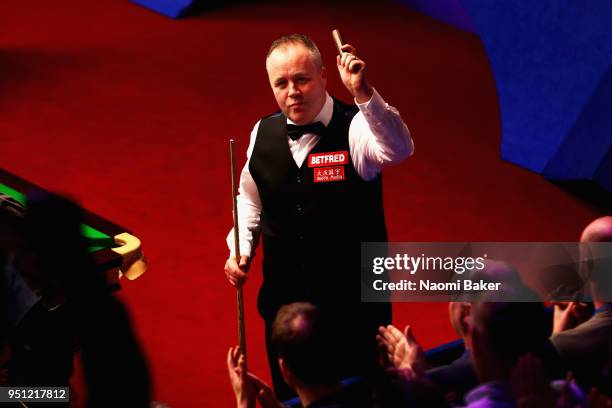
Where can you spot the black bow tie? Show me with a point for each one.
(295, 131)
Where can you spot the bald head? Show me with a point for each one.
(497, 271)
(596, 254)
(599, 230)
(493, 271)
(306, 340)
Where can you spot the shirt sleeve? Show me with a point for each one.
(249, 208)
(378, 137)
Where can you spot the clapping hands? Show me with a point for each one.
(248, 388)
(401, 351)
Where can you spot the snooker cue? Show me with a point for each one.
(338, 40)
(239, 298)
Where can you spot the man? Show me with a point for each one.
(312, 186)
(87, 314)
(586, 347)
(310, 358)
(19, 297)
(500, 334)
(458, 377)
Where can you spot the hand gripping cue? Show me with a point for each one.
(239, 298)
(339, 42)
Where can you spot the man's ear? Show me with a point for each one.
(463, 320)
(324, 74)
(469, 333)
(285, 372)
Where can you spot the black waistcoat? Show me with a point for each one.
(312, 231)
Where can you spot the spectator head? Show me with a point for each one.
(306, 346)
(599, 230)
(596, 255)
(501, 332)
(60, 262)
(493, 272)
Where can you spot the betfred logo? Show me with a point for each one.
(328, 159)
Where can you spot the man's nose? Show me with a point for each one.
(294, 90)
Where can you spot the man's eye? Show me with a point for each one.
(302, 80)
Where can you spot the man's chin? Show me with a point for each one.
(299, 118)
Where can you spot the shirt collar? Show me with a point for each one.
(326, 113)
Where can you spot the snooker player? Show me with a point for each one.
(312, 188)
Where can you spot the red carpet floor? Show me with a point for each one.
(130, 113)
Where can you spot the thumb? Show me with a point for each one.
(244, 260)
(261, 396)
(409, 335)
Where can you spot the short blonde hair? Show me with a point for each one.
(293, 39)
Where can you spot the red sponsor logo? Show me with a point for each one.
(325, 174)
(328, 159)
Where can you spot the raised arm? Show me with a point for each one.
(378, 136)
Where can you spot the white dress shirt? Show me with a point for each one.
(377, 137)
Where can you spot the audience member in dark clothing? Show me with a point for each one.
(115, 369)
(43, 347)
(311, 362)
(14, 302)
(5, 350)
(40, 338)
(585, 347)
(457, 378)
(53, 300)
(500, 333)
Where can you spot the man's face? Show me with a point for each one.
(298, 84)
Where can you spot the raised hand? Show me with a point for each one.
(244, 389)
(265, 395)
(403, 350)
(352, 73)
(568, 315)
